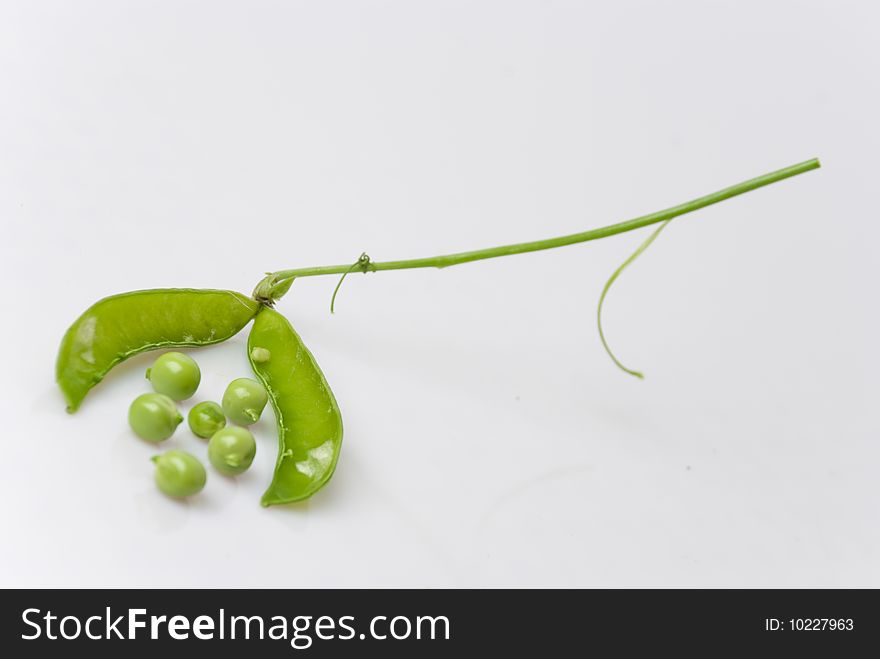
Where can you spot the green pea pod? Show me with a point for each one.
(120, 326)
(308, 418)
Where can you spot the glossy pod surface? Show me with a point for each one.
(308, 418)
(120, 326)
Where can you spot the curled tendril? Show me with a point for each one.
(623, 266)
(363, 262)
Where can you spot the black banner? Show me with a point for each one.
(290, 623)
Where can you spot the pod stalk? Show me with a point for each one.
(272, 287)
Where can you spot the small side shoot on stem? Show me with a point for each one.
(363, 262)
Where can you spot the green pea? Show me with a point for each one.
(232, 450)
(153, 417)
(175, 375)
(179, 474)
(244, 400)
(206, 418)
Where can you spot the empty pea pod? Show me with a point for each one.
(306, 413)
(120, 326)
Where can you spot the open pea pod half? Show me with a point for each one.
(124, 325)
(308, 418)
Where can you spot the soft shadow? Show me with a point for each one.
(161, 513)
(337, 494)
(509, 496)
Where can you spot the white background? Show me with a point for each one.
(489, 440)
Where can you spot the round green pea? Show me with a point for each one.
(176, 375)
(153, 417)
(206, 418)
(232, 450)
(244, 400)
(179, 474)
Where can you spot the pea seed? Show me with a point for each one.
(231, 450)
(206, 418)
(260, 355)
(244, 400)
(176, 375)
(153, 417)
(179, 474)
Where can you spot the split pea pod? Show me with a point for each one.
(306, 413)
(121, 326)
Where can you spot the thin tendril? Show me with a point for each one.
(650, 239)
(363, 261)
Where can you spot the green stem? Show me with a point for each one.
(446, 260)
